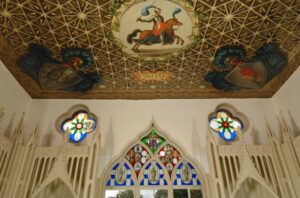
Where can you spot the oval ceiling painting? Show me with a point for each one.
(154, 28)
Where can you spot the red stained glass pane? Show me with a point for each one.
(169, 156)
(137, 156)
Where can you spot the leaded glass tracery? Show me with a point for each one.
(226, 125)
(120, 175)
(137, 156)
(153, 163)
(169, 156)
(78, 126)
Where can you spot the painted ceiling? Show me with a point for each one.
(146, 49)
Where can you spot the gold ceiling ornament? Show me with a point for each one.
(88, 24)
(158, 76)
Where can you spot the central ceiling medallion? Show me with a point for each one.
(154, 29)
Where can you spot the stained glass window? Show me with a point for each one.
(186, 175)
(78, 126)
(152, 166)
(153, 175)
(137, 156)
(153, 141)
(225, 124)
(120, 175)
(169, 156)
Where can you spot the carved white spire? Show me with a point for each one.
(34, 136)
(18, 133)
(97, 136)
(209, 137)
(271, 134)
(286, 131)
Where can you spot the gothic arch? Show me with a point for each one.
(151, 147)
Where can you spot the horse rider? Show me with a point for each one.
(159, 26)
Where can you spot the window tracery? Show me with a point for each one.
(158, 166)
(78, 122)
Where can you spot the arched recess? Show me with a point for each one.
(251, 188)
(55, 188)
(157, 165)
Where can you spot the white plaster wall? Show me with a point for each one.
(13, 98)
(287, 100)
(121, 121)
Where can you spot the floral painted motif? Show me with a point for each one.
(169, 156)
(78, 126)
(225, 124)
(137, 156)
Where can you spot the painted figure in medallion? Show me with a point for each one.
(153, 175)
(162, 31)
(185, 174)
(121, 174)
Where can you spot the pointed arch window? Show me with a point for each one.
(153, 167)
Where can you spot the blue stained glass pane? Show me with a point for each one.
(158, 165)
(147, 167)
(165, 182)
(180, 165)
(124, 172)
(126, 166)
(190, 175)
(198, 182)
(108, 183)
(116, 166)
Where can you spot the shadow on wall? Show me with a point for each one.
(295, 128)
(55, 189)
(198, 148)
(9, 128)
(250, 188)
(106, 151)
(48, 137)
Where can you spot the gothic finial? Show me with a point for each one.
(270, 132)
(34, 135)
(18, 133)
(288, 133)
(210, 137)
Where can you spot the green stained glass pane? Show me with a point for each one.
(153, 141)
